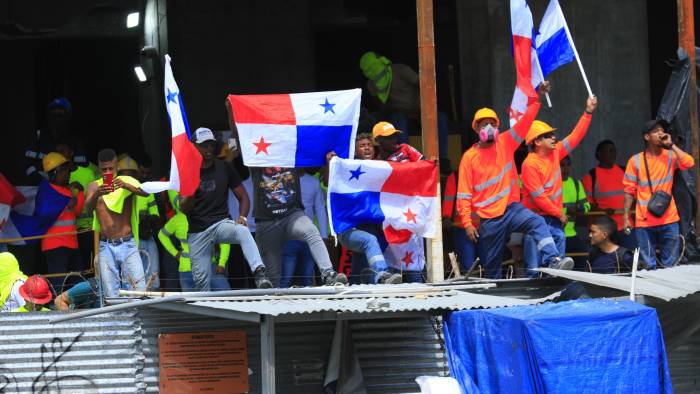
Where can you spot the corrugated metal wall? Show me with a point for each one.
(684, 363)
(392, 352)
(98, 354)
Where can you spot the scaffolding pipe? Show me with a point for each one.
(428, 115)
(686, 40)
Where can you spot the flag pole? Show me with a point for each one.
(428, 109)
(539, 67)
(578, 59)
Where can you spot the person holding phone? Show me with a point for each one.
(649, 180)
(112, 199)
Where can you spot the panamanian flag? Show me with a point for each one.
(527, 68)
(296, 130)
(33, 213)
(185, 159)
(400, 195)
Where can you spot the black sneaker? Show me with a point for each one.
(387, 278)
(566, 263)
(332, 278)
(261, 281)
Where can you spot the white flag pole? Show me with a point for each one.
(578, 59)
(539, 67)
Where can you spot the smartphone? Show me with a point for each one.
(107, 179)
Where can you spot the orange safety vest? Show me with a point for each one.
(65, 223)
(488, 177)
(541, 176)
(608, 191)
(660, 177)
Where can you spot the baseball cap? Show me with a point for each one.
(203, 134)
(61, 102)
(384, 129)
(650, 125)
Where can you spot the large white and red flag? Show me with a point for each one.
(185, 160)
(526, 63)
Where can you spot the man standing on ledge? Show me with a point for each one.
(209, 220)
(649, 180)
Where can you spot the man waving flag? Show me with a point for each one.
(185, 160)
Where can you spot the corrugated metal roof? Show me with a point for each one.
(98, 354)
(666, 284)
(396, 298)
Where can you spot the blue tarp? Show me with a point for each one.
(583, 346)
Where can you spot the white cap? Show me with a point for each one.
(203, 134)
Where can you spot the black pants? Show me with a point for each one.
(63, 260)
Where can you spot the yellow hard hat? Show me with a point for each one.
(483, 114)
(53, 160)
(127, 163)
(384, 129)
(537, 129)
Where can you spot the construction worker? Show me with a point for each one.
(605, 191)
(575, 202)
(84, 295)
(11, 279)
(488, 186)
(61, 251)
(542, 184)
(56, 128)
(36, 293)
(177, 226)
(80, 178)
(649, 181)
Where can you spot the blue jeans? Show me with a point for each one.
(465, 248)
(494, 233)
(367, 251)
(297, 262)
(665, 237)
(222, 232)
(218, 282)
(409, 276)
(120, 265)
(532, 251)
(150, 259)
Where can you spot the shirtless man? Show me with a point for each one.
(120, 262)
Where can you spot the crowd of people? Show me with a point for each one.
(268, 227)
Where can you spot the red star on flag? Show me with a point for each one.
(515, 114)
(262, 145)
(408, 258)
(410, 216)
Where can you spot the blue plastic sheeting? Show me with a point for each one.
(583, 346)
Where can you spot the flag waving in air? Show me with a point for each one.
(296, 130)
(185, 160)
(521, 28)
(401, 196)
(554, 46)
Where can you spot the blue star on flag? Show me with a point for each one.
(327, 106)
(356, 173)
(171, 96)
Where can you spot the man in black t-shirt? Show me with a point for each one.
(209, 220)
(279, 217)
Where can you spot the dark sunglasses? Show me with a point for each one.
(548, 135)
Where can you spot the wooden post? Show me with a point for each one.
(428, 112)
(686, 40)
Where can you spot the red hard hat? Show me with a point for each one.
(36, 290)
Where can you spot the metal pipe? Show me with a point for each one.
(267, 353)
(686, 40)
(244, 292)
(113, 308)
(428, 116)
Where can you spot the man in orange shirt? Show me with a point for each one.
(650, 173)
(542, 184)
(604, 189)
(488, 185)
(61, 251)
